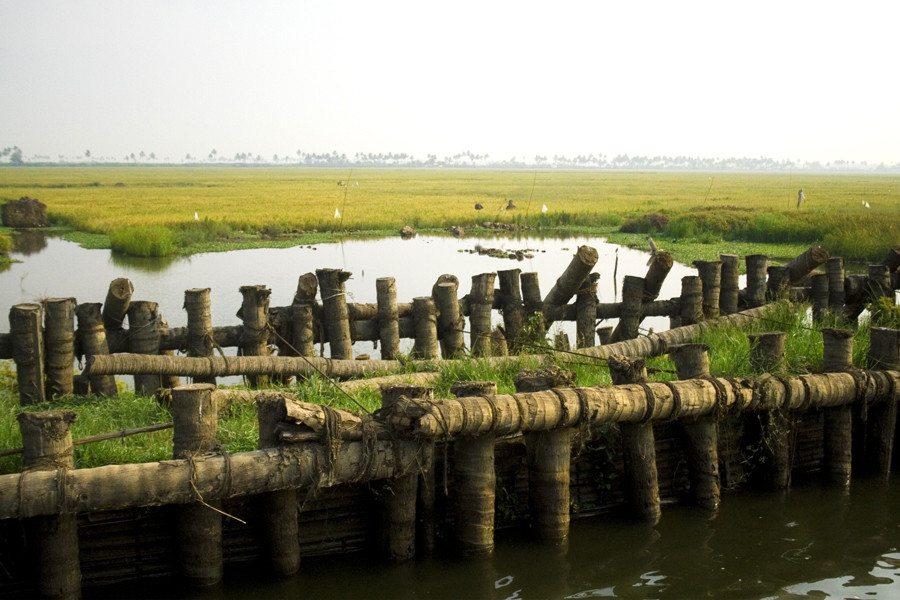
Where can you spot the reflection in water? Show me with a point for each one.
(29, 241)
(156, 264)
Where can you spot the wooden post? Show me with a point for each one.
(701, 433)
(195, 415)
(474, 480)
(802, 265)
(819, 294)
(481, 299)
(570, 281)
(334, 312)
(511, 305)
(278, 509)
(254, 312)
(710, 273)
(834, 268)
(118, 299)
(691, 301)
(549, 457)
(586, 312)
(730, 284)
(837, 357)
(450, 322)
(660, 265)
(884, 354)
(771, 428)
(425, 319)
(638, 445)
(27, 339)
(47, 446)
(388, 325)
(630, 315)
(756, 264)
(878, 282)
(303, 337)
(168, 380)
(91, 339)
(778, 285)
(534, 305)
(143, 338)
(200, 340)
(59, 345)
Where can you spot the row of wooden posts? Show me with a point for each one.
(305, 447)
(44, 341)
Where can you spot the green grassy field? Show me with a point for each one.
(278, 205)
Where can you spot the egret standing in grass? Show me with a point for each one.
(653, 250)
(800, 198)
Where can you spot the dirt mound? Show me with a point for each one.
(24, 212)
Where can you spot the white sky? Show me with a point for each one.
(782, 79)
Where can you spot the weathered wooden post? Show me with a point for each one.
(838, 357)
(474, 480)
(756, 264)
(730, 284)
(143, 338)
(450, 322)
(167, 380)
(59, 345)
(200, 340)
(481, 299)
(630, 315)
(549, 457)
(279, 509)
(425, 319)
(254, 312)
(27, 337)
(118, 299)
(388, 325)
(534, 305)
(303, 337)
(701, 433)
(773, 425)
(638, 445)
(691, 300)
(802, 265)
(511, 306)
(878, 282)
(570, 281)
(91, 339)
(884, 354)
(195, 415)
(398, 495)
(660, 265)
(586, 312)
(834, 268)
(819, 293)
(710, 273)
(334, 312)
(47, 446)
(778, 285)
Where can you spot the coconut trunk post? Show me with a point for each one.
(756, 265)
(254, 313)
(512, 307)
(549, 458)
(834, 268)
(710, 273)
(819, 293)
(425, 319)
(303, 338)
(474, 480)
(701, 432)
(118, 299)
(660, 265)
(279, 508)
(772, 424)
(837, 356)
(730, 284)
(91, 340)
(143, 327)
(534, 305)
(27, 338)
(400, 496)
(336, 319)
(168, 380)
(691, 300)
(778, 285)
(804, 264)
(884, 354)
(878, 282)
(481, 300)
(630, 314)
(59, 345)
(586, 313)
(200, 340)
(450, 322)
(47, 446)
(388, 324)
(570, 281)
(195, 415)
(638, 445)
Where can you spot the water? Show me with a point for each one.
(52, 267)
(815, 542)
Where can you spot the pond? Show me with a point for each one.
(52, 267)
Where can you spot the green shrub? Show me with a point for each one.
(143, 241)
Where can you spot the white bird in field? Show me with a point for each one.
(653, 249)
(196, 216)
(544, 209)
(866, 204)
(337, 214)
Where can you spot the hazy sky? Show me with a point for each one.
(782, 79)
